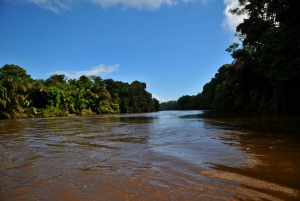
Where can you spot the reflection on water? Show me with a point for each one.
(169, 155)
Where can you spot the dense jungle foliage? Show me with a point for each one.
(170, 105)
(22, 96)
(265, 73)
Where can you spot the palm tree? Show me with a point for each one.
(3, 99)
(12, 98)
(14, 84)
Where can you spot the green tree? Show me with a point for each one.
(56, 80)
(14, 84)
(137, 102)
(169, 105)
(155, 105)
(186, 103)
(270, 38)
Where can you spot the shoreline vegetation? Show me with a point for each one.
(22, 96)
(265, 73)
(263, 77)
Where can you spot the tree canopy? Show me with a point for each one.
(265, 73)
(21, 96)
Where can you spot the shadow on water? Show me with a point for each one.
(273, 139)
(260, 122)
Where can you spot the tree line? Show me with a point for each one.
(22, 96)
(265, 73)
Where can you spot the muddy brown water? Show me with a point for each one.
(168, 155)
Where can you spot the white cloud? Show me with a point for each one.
(231, 21)
(56, 6)
(59, 6)
(139, 4)
(161, 100)
(158, 98)
(97, 70)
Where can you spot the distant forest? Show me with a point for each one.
(22, 96)
(265, 73)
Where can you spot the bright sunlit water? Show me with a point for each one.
(168, 155)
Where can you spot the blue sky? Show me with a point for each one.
(174, 46)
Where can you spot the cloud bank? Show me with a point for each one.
(59, 6)
(97, 70)
(231, 21)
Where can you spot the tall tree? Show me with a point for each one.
(14, 84)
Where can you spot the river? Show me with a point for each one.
(167, 155)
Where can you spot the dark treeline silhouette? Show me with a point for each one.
(170, 105)
(22, 96)
(265, 73)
